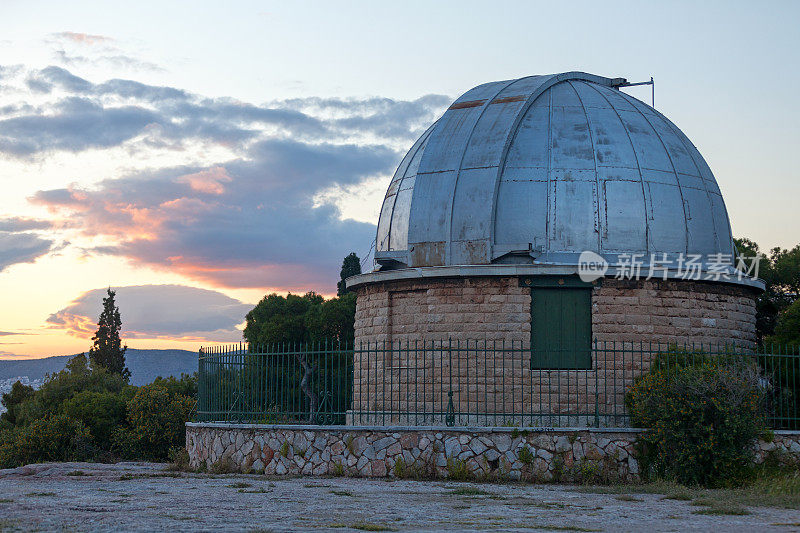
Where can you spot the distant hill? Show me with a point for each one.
(145, 365)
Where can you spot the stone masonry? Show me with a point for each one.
(494, 313)
(498, 309)
(537, 454)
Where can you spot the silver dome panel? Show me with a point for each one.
(540, 169)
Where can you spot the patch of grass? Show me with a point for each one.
(788, 524)
(260, 490)
(553, 527)
(179, 460)
(683, 496)
(8, 525)
(364, 526)
(627, 498)
(458, 470)
(736, 511)
(239, 485)
(315, 486)
(6, 500)
(176, 517)
(76, 473)
(223, 466)
(128, 477)
(657, 487)
(342, 492)
(338, 470)
(526, 456)
(285, 449)
(41, 494)
(470, 491)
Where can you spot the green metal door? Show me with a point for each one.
(561, 328)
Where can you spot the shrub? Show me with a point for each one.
(100, 412)
(54, 438)
(703, 417)
(526, 456)
(63, 385)
(12, 400)
(156, 422)
(457, 470)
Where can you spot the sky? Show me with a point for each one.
(195, 156)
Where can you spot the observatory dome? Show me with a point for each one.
(539, 169)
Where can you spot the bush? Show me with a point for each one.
(55, 438)
(156, 421)
(63, 385)
(12, 401)
(100, 412)
(703, 417)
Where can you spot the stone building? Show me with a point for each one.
(518, 189)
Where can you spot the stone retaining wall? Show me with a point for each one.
(536, 454)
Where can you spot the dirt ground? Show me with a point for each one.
(145, 497)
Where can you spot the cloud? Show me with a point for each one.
(247, 223)
(15, 224)
(85, 115)
(247, 218)
(119, 61)
(82, 38)
(157, 311)
(21, 248)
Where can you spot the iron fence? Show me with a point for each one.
(452, 383)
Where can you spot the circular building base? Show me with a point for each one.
(527, 350)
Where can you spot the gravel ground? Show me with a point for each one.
(143, 496)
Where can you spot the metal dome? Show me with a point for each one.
(539, 169)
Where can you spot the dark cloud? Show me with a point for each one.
(247, 223)
(157, 311)
(16, 224)
(99, 115)
(21, 248)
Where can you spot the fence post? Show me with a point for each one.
(596, 365)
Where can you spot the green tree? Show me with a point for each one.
(280, 319)
(780, 271)
(14, 399)
(58, 388)
(156, 422)
(107, 351)
(351, 266)
(332, 320)
(787, 329)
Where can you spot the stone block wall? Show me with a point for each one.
(488, 453)
(495, 309)
(392, 377)
(673, 311)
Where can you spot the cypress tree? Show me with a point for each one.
(107, 351)
(350, 267)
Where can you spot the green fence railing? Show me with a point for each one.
(450, 383)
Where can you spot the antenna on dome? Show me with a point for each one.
(622, 82)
